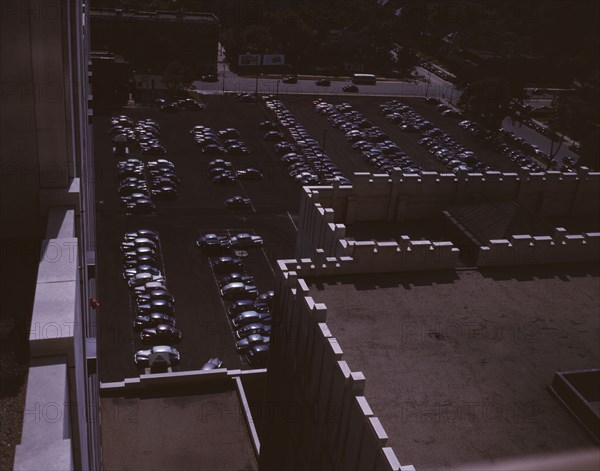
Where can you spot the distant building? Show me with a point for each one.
(152, 40)
(111, 79)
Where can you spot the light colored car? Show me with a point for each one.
(245, 240)
(250, 317)
(142, 278)
(151, 285)
(255, 339)
(238, 290)
(163, 355)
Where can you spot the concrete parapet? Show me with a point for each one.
(530, 250)
(46, 434)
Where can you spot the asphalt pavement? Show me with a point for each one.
(199, 209)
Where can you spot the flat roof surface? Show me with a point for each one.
(175, 432)
(457, 363)
(499, 220)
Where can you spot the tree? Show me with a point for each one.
(177, 77)
(489, 100)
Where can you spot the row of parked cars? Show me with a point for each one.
(133, 187)
(154, 305)
(144, 134)
(222, 172)
(224, 142)
(173, 106)
(452, 154)
(370, 140)
(302, 155)
(249, 312)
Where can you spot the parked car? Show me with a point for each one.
(155, 294)
(156, 305)
(165, 355)
(244, 241)
(238, 290)
(162, 334)
(247, 343)
(143, 278)
(257, 328)
(249, 174)
(265, 300)
(227, 264)
(236, 278)
(212, 364)
(210, 78)
(212, 242)
(250, 317)
(238, 202)
(258, 354)
(152, 320)
(240, 306)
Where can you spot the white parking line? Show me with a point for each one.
(246, 195)
(268, 261)
(292, 221)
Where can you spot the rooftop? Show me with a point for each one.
(457, 363)
(190, 429)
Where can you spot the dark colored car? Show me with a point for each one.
(250, 329)
(210, 78)
(152, 320)
(249, 174)
(244, 345)
(227, 265)
(162, 334)
(290, 79)
(240, 306)
(212, 242)
(224, 179)
(258, 354)
(238, 202)
(350, 89)
(323, 82)
(265, 300)
(162, 306)
(155, 294)
(250, 317)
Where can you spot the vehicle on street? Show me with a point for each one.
(350, 88)
(323, 82)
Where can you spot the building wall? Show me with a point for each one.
(321, 418)
(47, 193)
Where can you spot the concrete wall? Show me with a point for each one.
(527, 250)
(399, 197)
(325, 212)
(333, 427)
(55, 399)
(319, 236)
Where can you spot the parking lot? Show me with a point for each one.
(350, 160)
(199, 209)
